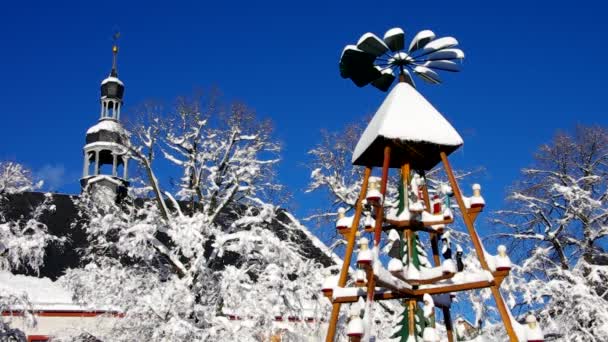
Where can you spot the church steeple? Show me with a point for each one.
(112, 91)
(105, 152)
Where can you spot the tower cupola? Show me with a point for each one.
(112, 91)
(106, 155)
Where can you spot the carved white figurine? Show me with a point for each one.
(476, 200)
(395, 265)
(369, 222)
(429, 333)
(360, 278)
(502, 260)
(446, 249)
(429, 305)
(416, 204)
(344, 222)
(374, 197)
(329, 284)
(459, 263)
(461, 329)
(533, 332)
(445, 189)
(447, 265)
(355, 329)
(365, 255)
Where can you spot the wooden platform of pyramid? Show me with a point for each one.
(409, 136)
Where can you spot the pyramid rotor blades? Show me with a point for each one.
(378, 61)
(353, 59)
(438, 44)
(371, 44)
(385, 80)
(443, 65)
(427, 74)
(395, 39)
(445, 54)
(421, 39)
(365, 76)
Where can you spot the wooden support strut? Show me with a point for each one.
(411, 306)
(352, 234)
(371, 281)
(502, 308)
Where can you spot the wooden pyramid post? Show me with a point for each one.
(371, 283)
(350, 245)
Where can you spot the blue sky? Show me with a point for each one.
(531, 68)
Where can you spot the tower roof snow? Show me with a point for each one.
(409, 123)
(107, 125)
(112, 79)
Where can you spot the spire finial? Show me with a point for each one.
(114, 53)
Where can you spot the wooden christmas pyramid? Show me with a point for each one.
(408, 135)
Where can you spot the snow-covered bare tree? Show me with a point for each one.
(214, 246)
(557, 223)
(23, 241)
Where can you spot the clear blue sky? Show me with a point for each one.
(531, 67)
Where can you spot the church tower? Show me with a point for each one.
(105, 153)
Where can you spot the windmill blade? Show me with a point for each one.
(445, 54)
(408, 78)
(441, 43)
(371, 44)
(421, 39)
(385, 80)
(427, 74)
(443, 65)
(353, 59)
(436, 45)
(395, 39)
(365, 75)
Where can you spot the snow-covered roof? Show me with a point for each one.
(94, 179)
(39, 290)
(315, 240)
(107, 125)
(112, 79)
(43, 293)
(405, 117)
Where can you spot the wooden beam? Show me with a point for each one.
(394, 293)
(474, 212)
(418, 282)
(454, 288)
(352, 234)
(417, 224)
(379, 216)
(502, 308)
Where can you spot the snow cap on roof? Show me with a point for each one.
(107, 125)
(112, 79)
(406, 116)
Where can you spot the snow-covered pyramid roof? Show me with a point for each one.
(412, 126)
